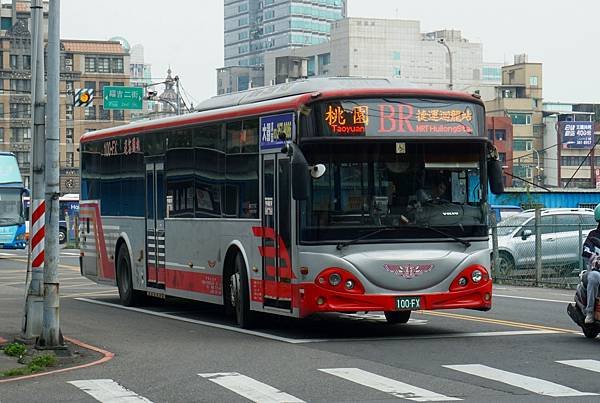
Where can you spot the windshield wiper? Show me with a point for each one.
(444, 233)
(341, 245)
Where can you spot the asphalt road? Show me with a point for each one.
(525, 349)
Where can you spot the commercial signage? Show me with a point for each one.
(388, 117)
(275, 127)
(578, 135)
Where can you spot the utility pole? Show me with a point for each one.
(178, 96)
(51, 336)
(32, 321)
(442, 42)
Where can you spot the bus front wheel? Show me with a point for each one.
(239, 298)
(127, 295)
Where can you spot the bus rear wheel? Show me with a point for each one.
(395, 317)
(239, 298)
(127, 295)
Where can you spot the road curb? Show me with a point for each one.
(107, 356)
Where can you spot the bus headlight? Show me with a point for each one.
(476, 276)
(462, 281)
(20, 237)
(335, 279)
(349, 284)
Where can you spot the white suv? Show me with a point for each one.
(559, 232)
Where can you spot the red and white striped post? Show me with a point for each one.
(38, 234)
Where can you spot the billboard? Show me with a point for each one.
(576, 135)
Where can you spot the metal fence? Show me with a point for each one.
(542, 251)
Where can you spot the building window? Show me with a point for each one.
(22, 157)
(395, 55)
(104, 113)
(243, 21)
(90, 113)
(520, 118)
(69, 135)
(69, 112)
(244, 34)
(118, 114)
(90, 64)
(490, 133)
(21, 134)
(26, 62)
(117, 65)
(1, 110)
(14, 62)
(20, 111)
(91, 85)
(397, 71)
(269, 14)
(20, 86)
(501, 134)
(70, 161)
(103, 65)
(522, 145)
(1, 134)
(242, 7)
(533, 81)
(69, 87)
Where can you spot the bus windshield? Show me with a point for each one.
(11, 207)
(408, 186)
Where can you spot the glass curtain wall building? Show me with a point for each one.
(253, 27)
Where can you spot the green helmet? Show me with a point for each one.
(597, 213)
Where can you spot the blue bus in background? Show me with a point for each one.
(68, 207)
(12, 211)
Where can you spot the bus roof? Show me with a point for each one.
(281, 97)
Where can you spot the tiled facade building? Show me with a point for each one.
(84, 64)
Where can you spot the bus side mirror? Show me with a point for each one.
(300, 173)
(495, 176)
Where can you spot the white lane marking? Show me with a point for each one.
(532, 299)
(317, 340)
(387, 385)
(8, 254)
(69, 253)
(529, 383)
(250, 388)
(590, 365)
(108, 391)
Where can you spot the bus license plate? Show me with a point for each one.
(408, 303)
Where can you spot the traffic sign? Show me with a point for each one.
(123, 97)
(83, 97)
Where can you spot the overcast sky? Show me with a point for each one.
(188, 35)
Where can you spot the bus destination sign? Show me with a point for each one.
(274, 127)
(384, 117)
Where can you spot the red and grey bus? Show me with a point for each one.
(321, 195)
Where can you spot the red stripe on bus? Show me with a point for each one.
(204, 283)
(107, 269)
(267, 251)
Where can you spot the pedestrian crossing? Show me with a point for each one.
(257, 390)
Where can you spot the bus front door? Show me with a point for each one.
(155, 225)
(276, 223)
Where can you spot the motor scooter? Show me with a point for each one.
(576, 310)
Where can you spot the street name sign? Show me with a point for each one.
(123, 97)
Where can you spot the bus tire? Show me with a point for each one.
(239, 293)
(62, 235)
(395, 317)
(127, 295)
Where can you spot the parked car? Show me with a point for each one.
(559, 232)
(501, 211)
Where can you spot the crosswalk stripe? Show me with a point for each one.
(590, 365)
(250, 388)
(529, 383)
(108, 391)
(387, 385)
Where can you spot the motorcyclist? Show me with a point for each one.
(593, 273)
